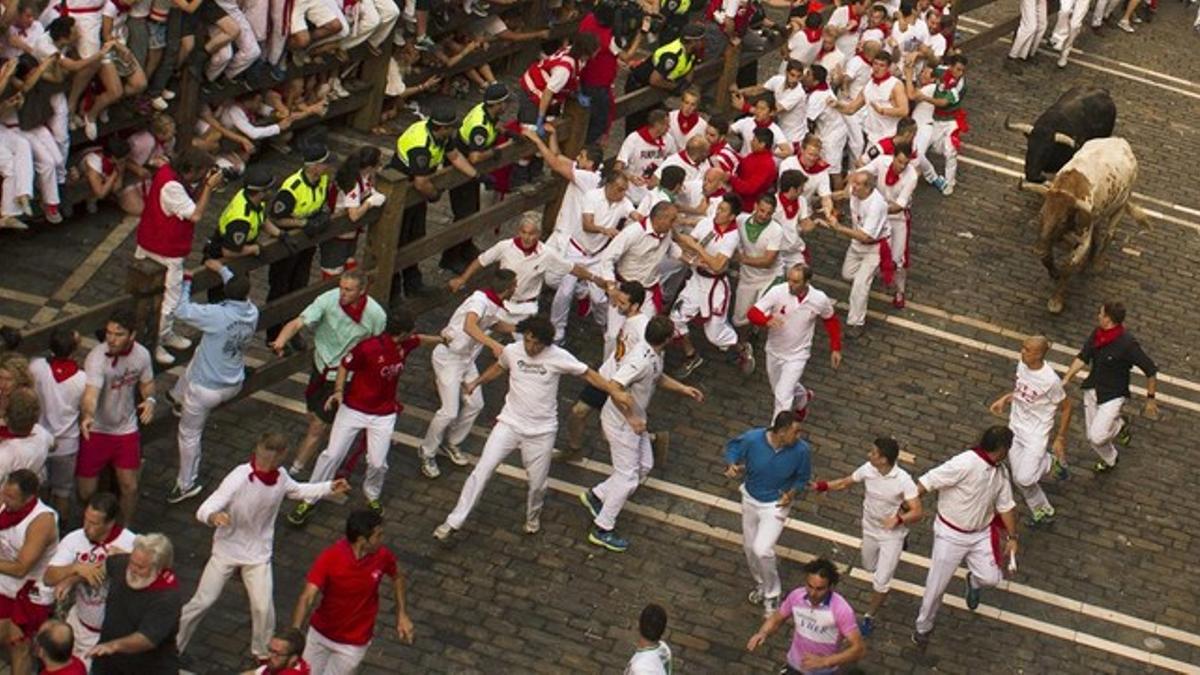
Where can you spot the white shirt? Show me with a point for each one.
(678, 137)
(530, 269)
(800, 49)
(745, 128)
(792, 106)
(870, 216)
(27, 452)
(816, 184)
(791, 243)
(884, 493)
(253, 506)
(35, 31)
(1036, 396)
(59, 400)
(770, 239)
(848, 41)
(175, 201)
(486, 312)
(876, 125)
(970, 491)
(858, 74)
(654, 660)
(640, 158)
(569, 214)
(834, 62)
(235, 116)
(12, 539)
(605, 214)
(692, 190)
(531, 405)
(636, 253)
(830, 124)
(714, 243)
(116, 408)
(638, 373)
(77, 548)
(911, 38)
(922, 112)
(793, 340)
(901, 191)
(651, 198)
(629, 334)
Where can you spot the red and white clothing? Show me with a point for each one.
(722, 156)
(829, 124)
(343, 624)
(640, 154)
(862, 259)
(1035, 398)
(25, 600)
(531, 266)
(693, 177)
(89, 16)
(971, 491)
(585, 248)
(233, 59)
(804, 45)
(636, 254)
(879, 92)
(60, 384)
(566, 224)
(164, 235)
(816, 177)
(755, 241)
(369, 406)
(922, 114)
(789, 214)
(16, 170)
(854, 24)
(558, 73)
(682, 128)
(454, 363)
(897, 188)
(745, 127)
(87, 613)
(754, 176)
(707, 295)
(252, 498)
(528, 421)
(789, 344)
(882, 496)
(909, 38)
(25, 452)
(117, 377)
(791, 106)
(857, 76)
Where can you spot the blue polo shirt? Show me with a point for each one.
(770, 472)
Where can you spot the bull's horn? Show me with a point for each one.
(1060, 137)
(1083, 206)
(1034, 187)
(1013, 126)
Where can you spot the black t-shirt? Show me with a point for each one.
(153, 613)
(1110, 365)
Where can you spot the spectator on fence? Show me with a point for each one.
(104, 170)
(356, 196)
(329, 27)
(177, 199)
(150, 148)
(16, 160)
(478, 138)
(299, 205)
(398, 91)
(599, 74)
(233, 59)
(141, 614)
(53, 647)
(669, 67)
(26, 114)
(549, 81)
(60, 383)
(28, 533)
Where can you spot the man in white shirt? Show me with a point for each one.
(758, 259)
(1035, 397)
(896, 179)
(603, 213)
(882, 97)
(243, 511)
(856, 76)
(685, 123)
(791, 101)
(762, 115)
(810, 159)
(848, 21)
(789, 311)
(466, 334)
(890, 505)
(794, 217)
(637, 253)
(974, 503)
(642, 152)
(60, 383)
(528, 420)
(582, 175)
(653, 655)
(868, 233)
(693, 159)
(78, 566)
(623, 421)
(27, 444)
(27, 542)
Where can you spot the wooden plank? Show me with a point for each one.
(385, 236)
(728, 77)
(374, 73)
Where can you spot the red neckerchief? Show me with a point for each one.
(852, 21)
(821, 86)
(62, 369)
(948, 80)
(5, 433)
(890, 178)
(825, 50)
(11, 518)
(984, 456)
(687, 160)
(816, 168)
(864, 58)
(687, 122)
(301, 668)
(493, 296)
(116, 356)
(165, 580)
(268, 478)
(790, 206)
(882, 79)
(355, 309)
(717, 147)
(112, 536)
(649, 229)
(764, 125)
(521, 247)
(1104, 336)
(726, 230)
(812, 34)
(644, 132)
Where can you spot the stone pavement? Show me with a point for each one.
(496, 600)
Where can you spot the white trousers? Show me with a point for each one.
(833, 149)
(899, 245)
(716, 326)
(49, 165)
(939, 142)
(880, 555)
(198, 401)
(85, 638)
(784, 375)
(16, 170)
(331, 658)
(632, 459)
(233, 60)
(453, 420)
(1103, 422)
(744, 298)
(950, 547)
(60, 129)
(854, 137)
(172, 289)
(1030, 30)
(258, 13)
(371, 21)
(859, 267)
(1029, 462)
(535, 456)
(1103, 9)
(762, 523)
(259, 587)
(346, 425)
(1071, 14)
(571, 287)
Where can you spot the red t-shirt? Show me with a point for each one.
(75, 667)
(377, 364)
(601, 69)
(349, 592)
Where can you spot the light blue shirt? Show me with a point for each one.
(228, 328)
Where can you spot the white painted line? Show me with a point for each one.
(735, 538)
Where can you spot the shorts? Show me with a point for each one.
(158, 34)
(593, 397)
(24, 613)
(60, 473)
(317, 392)
(335, 252)
(316, 13)
(122, 451)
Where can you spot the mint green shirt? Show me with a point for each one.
(335, 333)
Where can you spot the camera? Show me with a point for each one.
(230, 174)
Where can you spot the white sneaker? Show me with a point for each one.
(167, 95)
(454, 453)
(1062, 60)
(443, 532)
(429, 467)
(338, 89)
(12, 223)
(175, 341)
(770, 606)
(755, 597)
(26, 205)
(1125, 26)
(89, 128)
(533, 525)
(159, 103)
(163, 356)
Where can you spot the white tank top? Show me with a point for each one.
(879, 126)
(11, 541)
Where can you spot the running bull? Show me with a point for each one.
(1077, 117)
(1082, 208)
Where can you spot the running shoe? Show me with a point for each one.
(609, 539)
(300, 514)
(178, 494)
(456, 455)
(591, 502)
(1125, 435)
(972, 594)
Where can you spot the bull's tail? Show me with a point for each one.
(1138, 215)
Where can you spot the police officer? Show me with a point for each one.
(669, 67)
(477, 138)
(244, 217)
(420, 151)
(299, 204)
(675, 15)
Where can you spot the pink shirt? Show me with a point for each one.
(820, 629)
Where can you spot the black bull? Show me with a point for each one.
(1078, 116)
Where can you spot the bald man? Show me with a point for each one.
(53, 646)
(1037, 393)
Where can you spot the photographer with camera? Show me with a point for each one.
(299, 204)
(166, 229)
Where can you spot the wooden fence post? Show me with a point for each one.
(384, 236)
(188, 99)
(729, 68)
(144, 282)
(375, 72)
(571, 132)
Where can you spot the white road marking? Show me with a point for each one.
(735, 538)
(87, 269)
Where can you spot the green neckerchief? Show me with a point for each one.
(754, 230)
